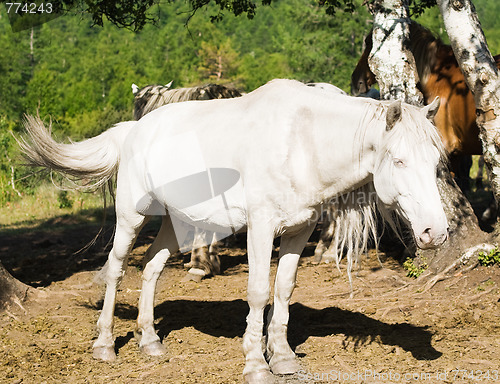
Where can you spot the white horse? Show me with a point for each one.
(265, 164)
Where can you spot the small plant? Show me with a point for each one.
(64, 200)
(488, 259)
(412, 270)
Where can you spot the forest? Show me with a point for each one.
(79, 76)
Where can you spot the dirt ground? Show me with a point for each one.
(388, 332)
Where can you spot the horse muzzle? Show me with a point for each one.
(431, 238)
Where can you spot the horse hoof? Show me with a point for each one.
(259, 377)
(194, 274)
(285, 367)
(104, 353)
(154, 349)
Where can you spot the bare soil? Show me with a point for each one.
(388, 332)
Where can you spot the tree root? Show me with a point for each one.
(461, 261)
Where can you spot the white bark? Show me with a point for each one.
(480, 71)
(390, 60)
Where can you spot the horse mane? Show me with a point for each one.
(354, 216)
(425, 47)
(151, 97)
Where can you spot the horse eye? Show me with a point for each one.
(399, 163)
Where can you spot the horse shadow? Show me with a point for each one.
(227, 319)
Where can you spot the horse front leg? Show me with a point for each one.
(125, 236)
(260, 242)
(166, 243)
(282, 358)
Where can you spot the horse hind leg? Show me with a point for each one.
(126, 233)
(166, 243)
(213, 253)
(204, 259)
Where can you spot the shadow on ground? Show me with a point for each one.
(227, 319)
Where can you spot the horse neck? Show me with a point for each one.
(349, 148)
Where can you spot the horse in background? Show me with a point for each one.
(150, 97)
(205, 260)
(439, 75)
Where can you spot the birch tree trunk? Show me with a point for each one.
(482, 77)
(394, 67)
(390, 60)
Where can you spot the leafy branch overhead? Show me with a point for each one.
(131, 14)
(135, 14)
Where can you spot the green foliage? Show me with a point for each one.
(64, 200)
(332, 6)
(418, 7)
(491, 258)
(413, 270)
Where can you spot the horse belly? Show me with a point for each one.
(212, 216)
(184, 185)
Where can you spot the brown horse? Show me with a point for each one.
(439, 75)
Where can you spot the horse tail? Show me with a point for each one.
(93, 161)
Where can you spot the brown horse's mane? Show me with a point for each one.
(426, 49)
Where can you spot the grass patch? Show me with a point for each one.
(490, 258)
(413, 270)
(48, 202)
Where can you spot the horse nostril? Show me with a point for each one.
(426, 236)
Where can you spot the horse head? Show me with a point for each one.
(405, 174)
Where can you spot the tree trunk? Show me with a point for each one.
(11, 289)
(464, 231)
(396, 75)
(482, 77)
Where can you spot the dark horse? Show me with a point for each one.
(439, 75)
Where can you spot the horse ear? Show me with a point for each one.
(431, 110)
(393, 114)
